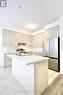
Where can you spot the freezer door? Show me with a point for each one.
(54, 47)
(46, 48)
(53, 64)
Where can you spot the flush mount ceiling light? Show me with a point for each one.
(31, 26)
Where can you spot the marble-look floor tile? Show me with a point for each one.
(10, 86)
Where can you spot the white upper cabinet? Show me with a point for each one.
(11, 38)
(8, 38)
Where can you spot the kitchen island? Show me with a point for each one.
(31, 71)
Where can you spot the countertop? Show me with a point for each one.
(29, 59)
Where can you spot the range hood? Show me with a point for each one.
(23, 44)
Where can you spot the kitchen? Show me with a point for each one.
(25, 45)
(31, 47)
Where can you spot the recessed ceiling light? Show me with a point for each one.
(31, 26)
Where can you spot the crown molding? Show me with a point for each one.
(28, 33)
(47, 27)
(17, 30)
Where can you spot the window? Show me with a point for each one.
(3, 3)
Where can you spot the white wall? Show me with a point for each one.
(0, 36)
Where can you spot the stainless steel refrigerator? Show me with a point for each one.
(52, 50)
(46, 48)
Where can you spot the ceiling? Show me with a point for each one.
(22, 12)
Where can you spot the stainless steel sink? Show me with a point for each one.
(23, 54)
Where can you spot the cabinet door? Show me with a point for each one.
(37, 41)
(53, 64)
(6, 38)
(13, 39)
(46, 47)
(9, 38)
(54, 47)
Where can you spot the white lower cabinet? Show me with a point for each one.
(7, 61)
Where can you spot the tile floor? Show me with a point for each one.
(10, 86)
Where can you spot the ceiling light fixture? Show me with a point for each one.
(31, 26)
